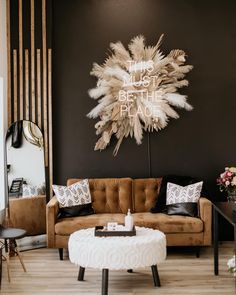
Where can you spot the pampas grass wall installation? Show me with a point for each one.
(137, 91)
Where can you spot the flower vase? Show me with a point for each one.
(232, 196)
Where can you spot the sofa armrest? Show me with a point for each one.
(205, 210)
(51, 217)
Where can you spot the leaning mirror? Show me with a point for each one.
(25, 160)
(26, 177)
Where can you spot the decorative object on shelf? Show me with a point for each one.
(137, 90)
(232, 266)
(227, 182)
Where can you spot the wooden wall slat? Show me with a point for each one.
(32, 45)
(45, 100)
(21, 61)
(9, 102)
(27, 106)
(15, 104)
(39, 110)
(50, 120)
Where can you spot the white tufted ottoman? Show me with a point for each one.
(147, 248)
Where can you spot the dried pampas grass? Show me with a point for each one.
(137, 91)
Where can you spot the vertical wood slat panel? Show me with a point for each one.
(9, 102)
(32, 44)
(39, 89)
(27, 106)
(50, 120)
(15, 105)
(45, 100)
(30, 95)
(21, 61)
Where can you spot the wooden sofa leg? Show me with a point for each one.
(198, 251)
(60, 253)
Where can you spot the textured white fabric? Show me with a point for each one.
(183, 194)
(73, 195)
(147, 248)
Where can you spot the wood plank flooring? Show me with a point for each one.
(182, 273)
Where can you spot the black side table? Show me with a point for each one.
(10, 234)
(225, 209)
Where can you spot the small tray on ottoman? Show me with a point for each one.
(100, 232)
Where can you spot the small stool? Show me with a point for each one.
(10, 235)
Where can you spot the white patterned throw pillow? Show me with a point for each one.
(183, 194)
(73, 195)
(33, 190)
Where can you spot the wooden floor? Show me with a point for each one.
(182, 273)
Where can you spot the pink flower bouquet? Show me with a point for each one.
(227, 181)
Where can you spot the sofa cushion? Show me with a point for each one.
(160, 205)
(73, 211)
(110, 195)
(67, 226)
(145, 192)
(183, 194)
(169, 223)
(183, 200)
(73, 195)
(185, 209)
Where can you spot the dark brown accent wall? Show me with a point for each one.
(202, 142)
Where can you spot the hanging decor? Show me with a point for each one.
(137, 90)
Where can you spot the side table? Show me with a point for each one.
(8, 234)
(225, 209)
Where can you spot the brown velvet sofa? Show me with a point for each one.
(112, 197)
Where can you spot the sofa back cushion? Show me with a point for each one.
(145, 192)
(109, 195)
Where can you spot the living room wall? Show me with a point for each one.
(201, 143)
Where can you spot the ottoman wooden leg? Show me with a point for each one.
(105, 272)
(81, 273)
(155, 275)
